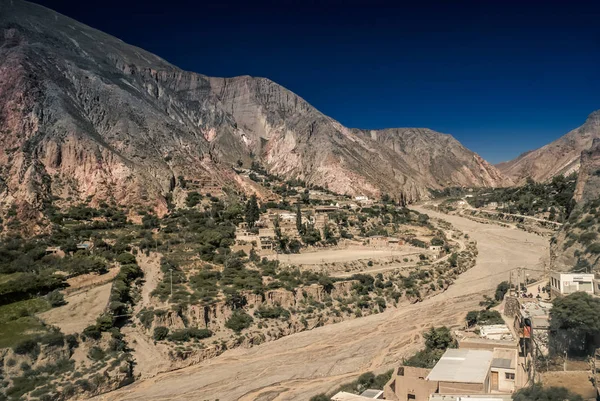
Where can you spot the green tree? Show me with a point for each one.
(439, 338)
(299, 226)
(575, 324)
(192, 199)
(160, 333)
(305, 197)
(501, 290)
(239, 321)
(252, 211)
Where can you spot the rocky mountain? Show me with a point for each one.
(559, 157)
(84, 116)
(576, 246)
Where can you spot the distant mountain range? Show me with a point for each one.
(85, 116)
(559, 157)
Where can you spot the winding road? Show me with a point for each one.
(299, 366)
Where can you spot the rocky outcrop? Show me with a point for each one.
(588, 181)
(85, 116)
(559, 157)
(575, 246)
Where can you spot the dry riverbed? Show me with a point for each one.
(304, 364)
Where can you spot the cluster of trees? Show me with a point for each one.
(575, 324)
(437, 340)
(555, 197)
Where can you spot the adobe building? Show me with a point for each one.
(461, 371)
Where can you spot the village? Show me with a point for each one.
(493, 361)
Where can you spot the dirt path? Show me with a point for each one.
(81, 310)
(151, 267)
(304, 364)
(150, 359)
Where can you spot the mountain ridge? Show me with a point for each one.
(561, 156)
(85, 116)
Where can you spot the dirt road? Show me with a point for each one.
(304, 364)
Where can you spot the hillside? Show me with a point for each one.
(559, 157)
(84, 116)
(577, 247)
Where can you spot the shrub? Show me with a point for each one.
(56, 298)
(275, 312)
(26, 347)
(239, 321)
(96, 354)
(190, 333)
(126, 259)
(54, 339)
(160, 333)
(92, 332)
(501, 290)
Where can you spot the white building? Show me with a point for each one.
(568, 283)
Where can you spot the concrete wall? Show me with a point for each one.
(463, 388)
(504, 384)
(408, 380)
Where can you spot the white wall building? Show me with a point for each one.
(568, 283)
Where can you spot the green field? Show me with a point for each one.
(18, 323)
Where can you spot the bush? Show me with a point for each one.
(126, 259)
(92, 332)
(160, 333)
(275, 312)
(96, 354)
(56, 298)
(26, 347)
(189, 334)
(54, 339)
(501, 290)
(239, 321)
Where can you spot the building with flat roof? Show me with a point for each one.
(344, 396)
(568, 283)
(470, 397)
(372, 394)
(459, 371)
(463, 369)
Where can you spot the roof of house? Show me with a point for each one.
(462, 366)
(504, 358)
(372, 393)
(343, 396)
(470, 397)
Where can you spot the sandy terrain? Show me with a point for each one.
(304, 364)
(346, 255)
(578, 382)
(81, 310)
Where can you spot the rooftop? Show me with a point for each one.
(470, 397)
(372, 393)
(538, 312)
(504, 358)
(496, 332)
(343, 396)
(462, 366)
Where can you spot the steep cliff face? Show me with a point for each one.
(577, 245)
(85, 116)
(559, 157)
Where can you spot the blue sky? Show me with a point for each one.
(503, 77)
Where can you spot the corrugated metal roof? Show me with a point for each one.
(462, 366)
